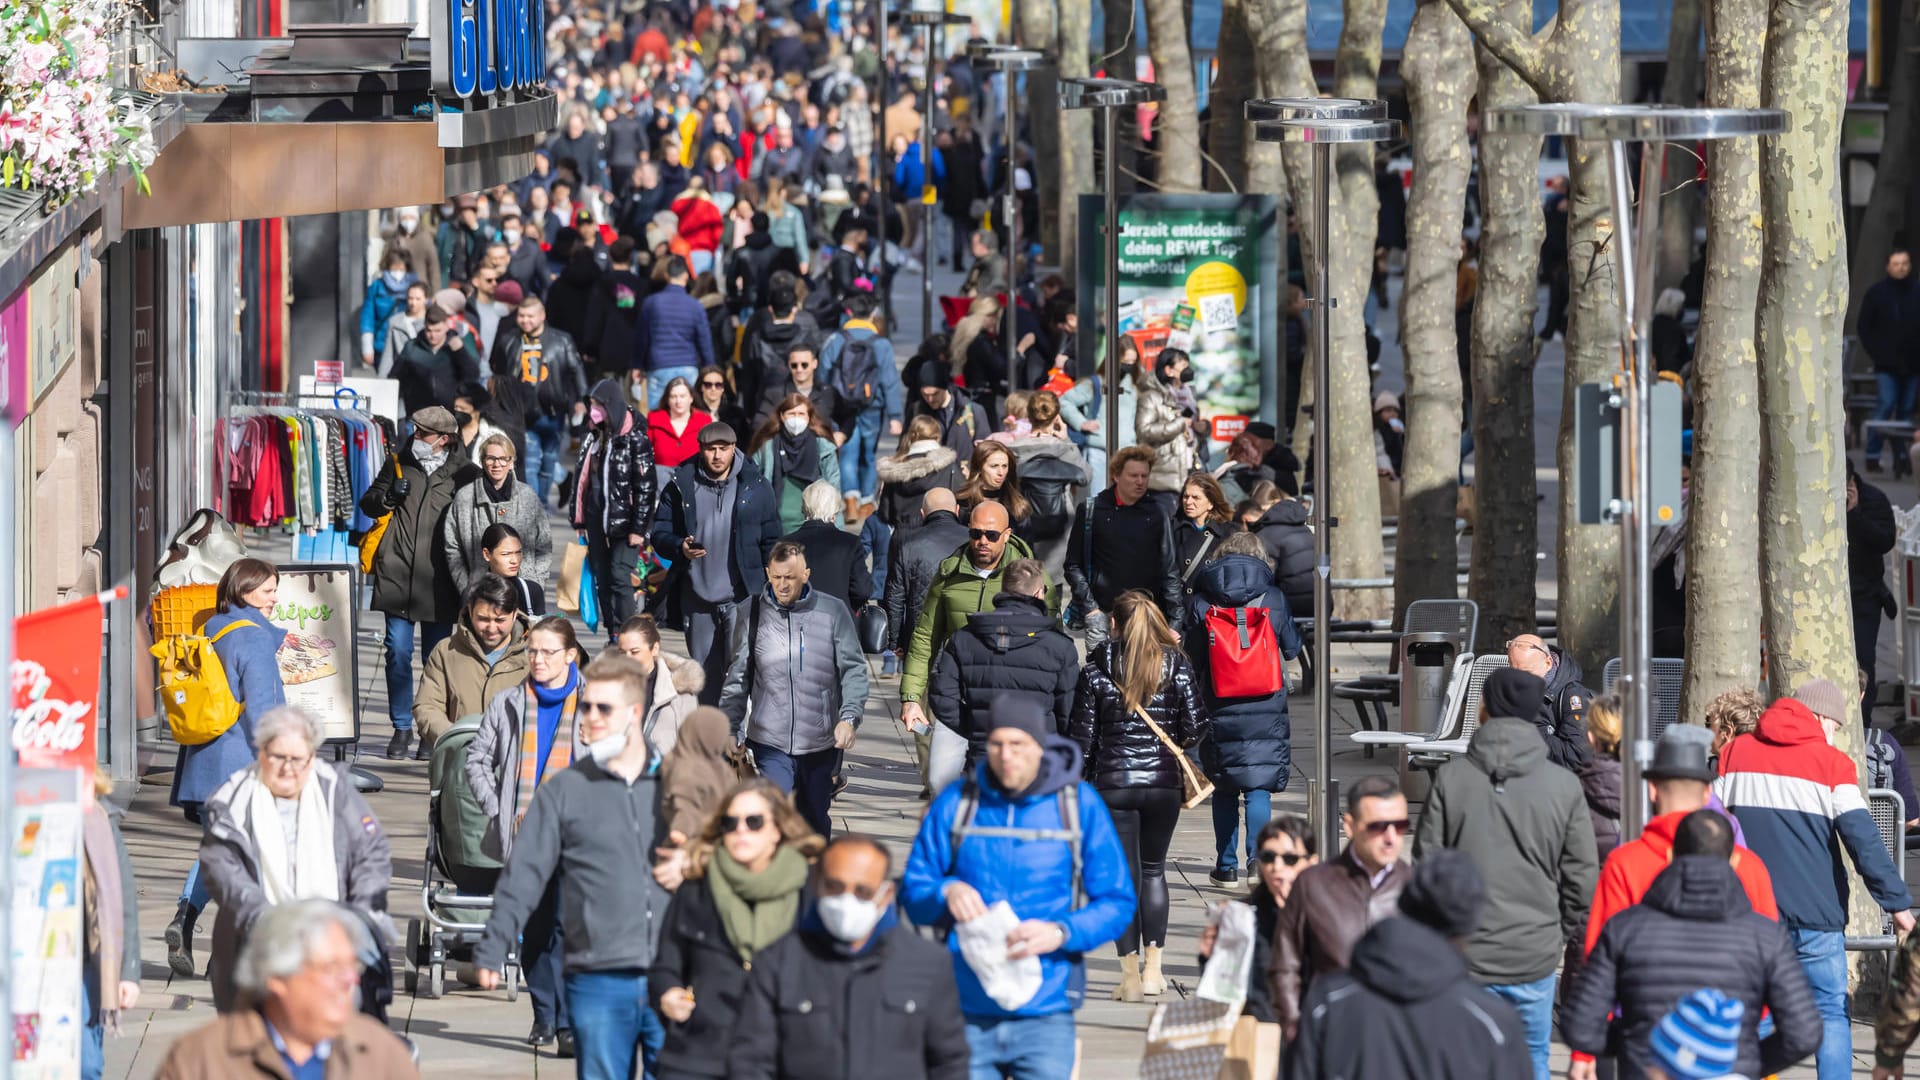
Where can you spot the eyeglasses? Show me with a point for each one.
(731, 824)
(1289, 858)
(545, 653)
(991, 536)
(599, 708)
(1516, 643)
(294, 762)
(1376, 828)
(496, 459)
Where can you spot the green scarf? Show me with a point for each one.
(757, 909)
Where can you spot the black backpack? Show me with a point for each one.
(856, 376)
(1047, 482)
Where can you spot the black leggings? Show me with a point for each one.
(1144, 818)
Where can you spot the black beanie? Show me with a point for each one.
(1022, 713)
(933, 372)
(1446, 893)
(1515, 693)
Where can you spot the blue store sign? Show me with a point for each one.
(484, 47)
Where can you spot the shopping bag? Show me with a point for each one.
(589, 596)
(1224, 979)
(572, 564)
(1190, 1040)
(1253, 1052)
(1009, 982)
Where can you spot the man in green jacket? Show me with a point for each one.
(966, 584)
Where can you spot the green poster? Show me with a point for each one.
(1197, 272)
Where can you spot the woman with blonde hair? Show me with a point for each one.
(973, 354)
(922, 463)
(1600, 779)
(745, 874)
(1137, 692)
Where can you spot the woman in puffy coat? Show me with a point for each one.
(923, 463)
(1284, 533)
(1159, 425)
(612, 499)
(1139, 673)
(1248, 747)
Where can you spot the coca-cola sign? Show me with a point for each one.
(56, 686)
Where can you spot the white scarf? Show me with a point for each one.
(312, 873)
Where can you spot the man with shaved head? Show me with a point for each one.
(911, 567)
(1560, 708)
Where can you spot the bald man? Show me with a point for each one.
(1561, 713)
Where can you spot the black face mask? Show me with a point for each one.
(463, 418)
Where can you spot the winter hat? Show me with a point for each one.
(508, 292)
(934, 372)
(1445, 893)
(436, 420)
(1823, 699)
(1386, 399)
(1022, 713)
(1512, 692)
(451, 301)
(717, 432)
(1700, 1038)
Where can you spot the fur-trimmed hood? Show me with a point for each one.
(915, 466)
(685, 677)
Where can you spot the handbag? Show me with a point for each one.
(1195, 787)
(370, 540)
(871, 622)
(572, 564)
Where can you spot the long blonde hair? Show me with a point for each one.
(984, 313)
(1144, 638)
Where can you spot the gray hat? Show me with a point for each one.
(1022, 713)
(436, 420)
(717, 432)
(1681, 754)
(1823, 699)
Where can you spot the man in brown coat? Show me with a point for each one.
(1335, 903)
(298, 978)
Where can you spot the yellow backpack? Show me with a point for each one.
(193, 686)
(370, 542)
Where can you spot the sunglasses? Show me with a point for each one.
(712, 384)
(1377, 827)
(830, 887)
(991, 536)
(599, 708)
(1290, 858)
(731, 824)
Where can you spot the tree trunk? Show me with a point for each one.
(1228, 136)
(1803, 279)
(1681, 86)
(1176, 128)
(1040, 108)
(1506, 513)
(1439, 76)
(1076, 130)
(1121, 44)
(1888, 206)
(1723, 527)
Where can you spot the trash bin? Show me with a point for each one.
(1426, 661)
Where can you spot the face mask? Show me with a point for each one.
(849, 918)
(597, 414)
(608, 748)
(423, 450)
(396, 279)
(794, 424)
(511, 236)
(407, 225)
(1397, 425)
(637, 391)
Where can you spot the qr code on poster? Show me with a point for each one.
(1217, 313)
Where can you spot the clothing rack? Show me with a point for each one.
(304, 459)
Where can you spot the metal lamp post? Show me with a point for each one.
(1010, 62)
(929, 21)
(1110, 96)
(1634, 251)
(1322, 123)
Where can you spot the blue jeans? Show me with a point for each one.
(1226, 822)
(1896, 403)
(541, 952)
(546, 438)
(194, 891)
(860, 456)
(1823, 956)
(399, 648)
(657, 381)
(93, 1051)
(1534, 1002)
(611, 1022)
(1021, 1047)
(806, 777)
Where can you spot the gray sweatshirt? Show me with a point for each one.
(599, 831)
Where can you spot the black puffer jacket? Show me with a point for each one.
(411, 577)
(1283, 532)
(616, 497)
(1562, 719)
(905, 481)
(1600, 783)
(695, 952)
(1250, 740)
(1017, 648)
(1119, 749)
(1114, 548)
(1694, 928)
(912, 566)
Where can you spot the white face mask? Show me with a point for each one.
(407, 225)
(794, 425)
(849, 918)
(511, 236)
(608, 748)
(423, 450)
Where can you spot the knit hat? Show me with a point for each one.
(451, 301)
(1700, 1038)
(933, 372)
(1515, 693)
(1022, 713)
(508, 292)
(1445, 893)
(1823, 699)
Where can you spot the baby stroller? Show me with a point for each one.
(457, 892)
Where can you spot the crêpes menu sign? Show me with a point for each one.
(488, 47)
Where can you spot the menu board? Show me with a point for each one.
(48, 934)
(318, 661)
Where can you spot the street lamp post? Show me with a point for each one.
(1110, 96)
(1010, 62)
(929, 21)
(1633, 254)
(1322, 123)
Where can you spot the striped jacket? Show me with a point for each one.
(1798, 800)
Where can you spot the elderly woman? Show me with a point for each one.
(287, 827)
(496, 497)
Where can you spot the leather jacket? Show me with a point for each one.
(1331, 907)
(566, 377)
(1119, 749)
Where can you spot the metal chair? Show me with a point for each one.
(1458, 720)
(1890, 820)
(1669, 685)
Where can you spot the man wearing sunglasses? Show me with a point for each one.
(596, 824)
(1337, 901)
(1525, 824)
(878, 999)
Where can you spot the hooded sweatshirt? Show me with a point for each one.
(1633, 866)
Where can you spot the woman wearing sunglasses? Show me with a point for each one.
(711, 396)
(1285, 848)
(741, 894)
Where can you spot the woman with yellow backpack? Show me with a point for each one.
(246, 645)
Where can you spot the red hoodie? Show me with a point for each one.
(700, 223)
(1630, 871)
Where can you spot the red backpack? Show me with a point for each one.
(1243, 653)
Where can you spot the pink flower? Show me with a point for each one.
(36, 57)
(93, 60)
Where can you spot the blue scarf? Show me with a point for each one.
(547, 716)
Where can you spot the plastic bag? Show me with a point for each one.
(983, 944)
(589, 596)
(1225, 977)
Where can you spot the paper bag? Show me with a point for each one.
(1253, 1053)
(572, 564)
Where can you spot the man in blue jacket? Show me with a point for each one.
(1026, 830)
(868, 385)
(673, 339)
